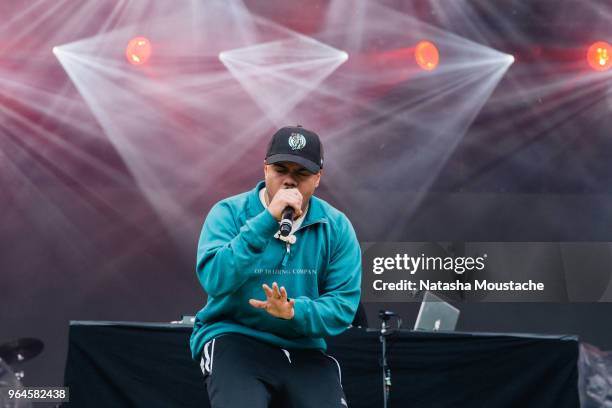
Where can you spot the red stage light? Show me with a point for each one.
(427, 55)
(599, 56)
(138, 50)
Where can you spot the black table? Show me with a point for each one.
(120, 364)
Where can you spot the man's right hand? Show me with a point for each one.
(290, 197)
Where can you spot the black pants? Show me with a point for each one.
(243, 372)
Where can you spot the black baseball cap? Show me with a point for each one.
(298, 145)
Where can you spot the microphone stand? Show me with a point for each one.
(384, 316)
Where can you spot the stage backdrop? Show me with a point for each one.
(112, 155)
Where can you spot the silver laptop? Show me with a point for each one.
(436, 315)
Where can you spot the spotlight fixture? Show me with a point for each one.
(427, 55)
(599, 56)
(138, 50)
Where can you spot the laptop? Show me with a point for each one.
(436, 315)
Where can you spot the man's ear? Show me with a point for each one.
(265, 169)
(318, 180)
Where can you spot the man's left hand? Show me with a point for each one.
(276, 302)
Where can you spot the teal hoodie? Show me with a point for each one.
(237, 253)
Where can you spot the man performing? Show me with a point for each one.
(272, 298)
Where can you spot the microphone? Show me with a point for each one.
(386, 314)
(286, 223)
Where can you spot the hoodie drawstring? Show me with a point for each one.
(287, 252)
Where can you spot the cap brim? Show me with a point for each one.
(308, 164)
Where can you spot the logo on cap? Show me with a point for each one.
(297, 141)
